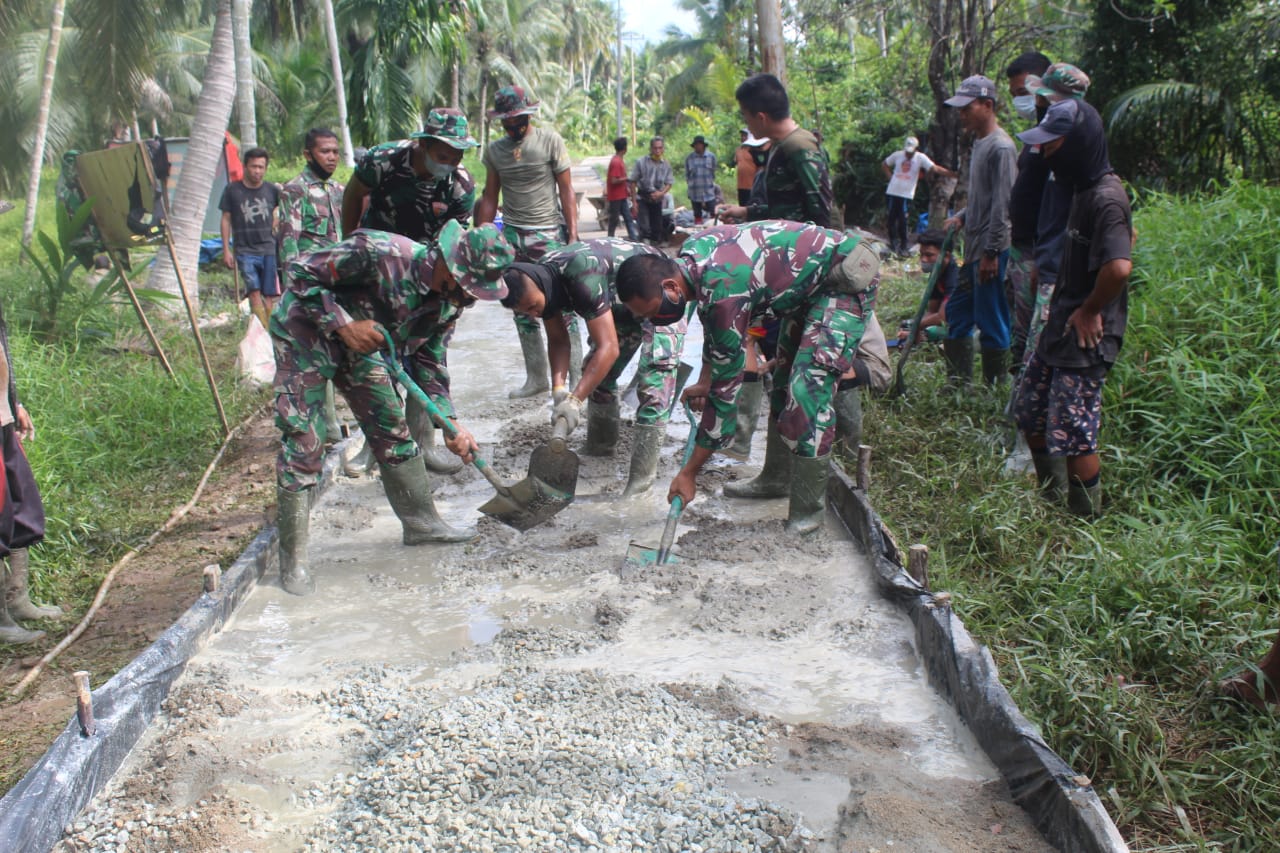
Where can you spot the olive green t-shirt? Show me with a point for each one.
(527, 170)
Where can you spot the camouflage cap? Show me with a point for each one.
(476, 257)
(511, 101)
(449, 126)
(1061, 80)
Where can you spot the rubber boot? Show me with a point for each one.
(332, 428)
(1084, 501)
(360, 464)
(12, 632)
(774, 479)
(848, 406)
(748, 416)
(603, 420)
(293, 526)
(439, 460)
(646, 444)
(409, 492)
(16, 595)
(995, 366)
(959, 355)
(575, 353)
(808, 509)
(1051, 476)
(537, 373)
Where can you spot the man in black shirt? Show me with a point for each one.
(249, 216)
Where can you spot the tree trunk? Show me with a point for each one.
(455, 85)
(880, 32)
(484, 104)
(339, 86)
(204, 147)
(773, 55)
(42, 122)
(245, 110)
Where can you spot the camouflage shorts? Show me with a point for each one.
(1063, 405)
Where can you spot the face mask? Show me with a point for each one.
(518, 130)
(1025, 106)
(321, 173)
(927, 266)
(439, 170)
(669, 312)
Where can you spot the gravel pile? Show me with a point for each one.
(546, 761)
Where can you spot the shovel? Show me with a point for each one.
(639, 556)
(526, 504)
(905, 348)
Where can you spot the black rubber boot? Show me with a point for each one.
(603, 420)
(774, 479)
(1084, 501)
(409, 492)
(1051, 476)
(959, 355)
(439, 460)
(16, 592)
(848, 406)
(748, 416)
(808, 509)
(537, 373)
(995, 366)
(293, 520)
(646, 444)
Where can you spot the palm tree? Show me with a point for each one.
(245, 111)
(42, 121)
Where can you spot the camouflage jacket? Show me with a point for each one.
(377, 276)
(738, 271)
(310, 215)
(795, 183)
(403, 203)
(584, 273)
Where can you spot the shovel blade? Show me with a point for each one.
(557, 470)
(527, 504)
(642, 556)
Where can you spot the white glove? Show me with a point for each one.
(570, 408)
(558, 394)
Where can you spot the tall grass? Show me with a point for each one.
(1111, 635)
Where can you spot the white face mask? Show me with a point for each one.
(439, 170)
(1025, 106)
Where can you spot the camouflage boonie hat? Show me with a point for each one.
(449, 126)
(1060, 81)
(511, 101)
(476, 257)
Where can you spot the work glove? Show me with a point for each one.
(558, 394)
(570, 408)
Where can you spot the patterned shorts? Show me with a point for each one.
(1063, 405)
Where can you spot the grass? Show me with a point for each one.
(1110, 635)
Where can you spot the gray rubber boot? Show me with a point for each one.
(12, 632)
(959, 355)
(603, 420)
(748, 416)
(808, 509)
(537, 373)
(439, 460)
(1051, 476)
(1084, 501)
(575, 352)
(646, 444)
(774, 479)
(995, 366)
(15, 590)
(293, 526)
(360, 464)
(848, 406)
(332, 428)
(409, 492)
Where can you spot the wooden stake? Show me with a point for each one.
(918, 564)
(211, 576)
(137, 306)
(864, 466)
(84, 704)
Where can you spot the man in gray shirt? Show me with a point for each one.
(980, 299)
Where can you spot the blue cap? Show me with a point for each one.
(1057, 123)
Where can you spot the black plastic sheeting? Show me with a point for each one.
(34, 814)
(1066, 812)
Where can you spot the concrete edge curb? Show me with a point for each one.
(1067, 813)
(38, 808)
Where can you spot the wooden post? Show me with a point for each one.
(84, 704)
(864, 467)
(918, 564)
(212, 574)
(137, 306)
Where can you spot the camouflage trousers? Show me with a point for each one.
(1021, 298)
(530, 244)
(815, 347)
(660, 349)
(304, 362)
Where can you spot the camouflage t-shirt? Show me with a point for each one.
(310, 215)
(402, 202)
(796, 182)
(584, 276)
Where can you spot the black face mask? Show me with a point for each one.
(518, 130)
(669, 312)
(322, 174)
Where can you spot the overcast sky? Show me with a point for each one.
(649, 18)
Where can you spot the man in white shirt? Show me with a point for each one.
(902, 169)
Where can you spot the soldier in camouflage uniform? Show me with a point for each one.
(413, 187)
(579, 279)
(820, 284)
(339, 301)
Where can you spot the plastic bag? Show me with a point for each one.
(256, 360)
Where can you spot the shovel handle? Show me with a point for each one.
(559, 436)
(669, 532)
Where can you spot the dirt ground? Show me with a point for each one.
(147, 597)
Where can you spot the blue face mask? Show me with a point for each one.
(1025, 106)
(927, 266)
(669, 312)
(439, 170)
